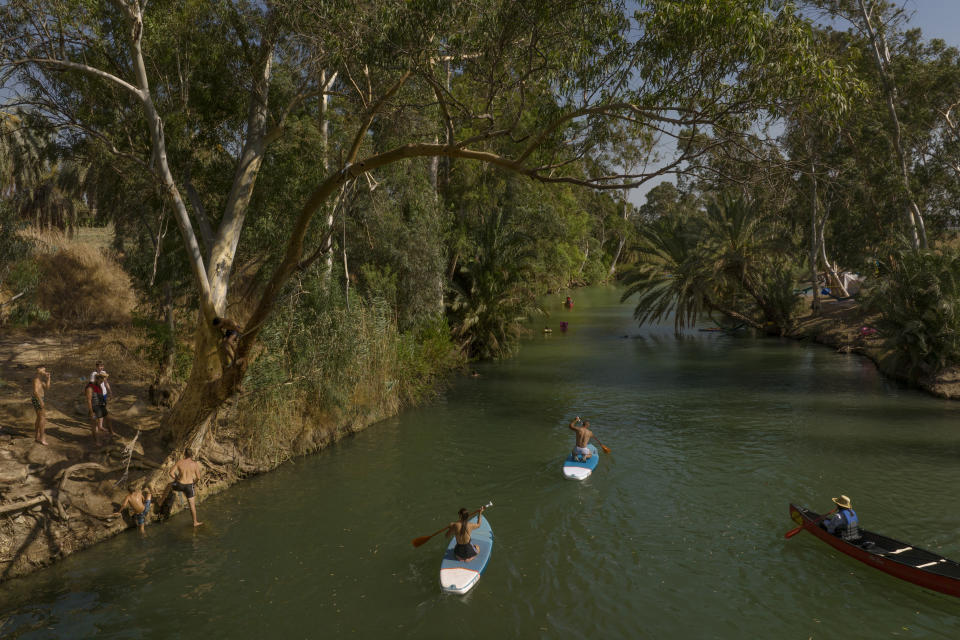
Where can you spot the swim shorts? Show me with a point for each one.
(141, 518)
(185, 489)
(36, 403)
(464, 551)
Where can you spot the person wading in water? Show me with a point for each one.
(464, 550)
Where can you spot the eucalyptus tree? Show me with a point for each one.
(880, 23)
(151, 83)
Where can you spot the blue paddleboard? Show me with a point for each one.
(573, 469)
(459, 577)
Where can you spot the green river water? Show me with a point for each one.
(678, 534)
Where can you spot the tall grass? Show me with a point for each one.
(328, 369)
(74, 282)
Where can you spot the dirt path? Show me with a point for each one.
(59, 498)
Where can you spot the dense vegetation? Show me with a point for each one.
(376, 192)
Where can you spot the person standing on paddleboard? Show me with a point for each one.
(464, 551)
(580, 449)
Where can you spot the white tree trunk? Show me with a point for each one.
(881, 53)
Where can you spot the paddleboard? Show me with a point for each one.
(575, 470)
(459, 577)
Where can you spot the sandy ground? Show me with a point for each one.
(59, 498)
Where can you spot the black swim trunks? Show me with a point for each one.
(464, 551)
(185, 489)
(36, 403)
(100, 411)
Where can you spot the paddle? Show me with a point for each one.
(793, 532)
(422, 539)
(605, 448)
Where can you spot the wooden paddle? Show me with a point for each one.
(422, 539)
(605, 448)
(793, 532)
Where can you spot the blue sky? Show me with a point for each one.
(937, 18)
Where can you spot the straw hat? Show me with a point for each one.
(843, 501)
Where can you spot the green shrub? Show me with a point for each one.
(917, 295)
(328, 367)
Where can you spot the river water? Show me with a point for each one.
(678, 534)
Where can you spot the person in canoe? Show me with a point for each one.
(464, 550)
(580, 449)
(844, 522)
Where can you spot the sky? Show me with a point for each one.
(936, 18)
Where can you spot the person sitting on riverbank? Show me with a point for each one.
(185, 475)
(843, 523)
(139, 504)
(581, 451)
(464, 551)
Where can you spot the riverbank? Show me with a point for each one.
(59, 499)
(840, 325)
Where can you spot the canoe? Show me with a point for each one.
(459, 577)
(899, 559)
(575, 470)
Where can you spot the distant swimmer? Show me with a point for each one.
(580, 450)
(464, 550)
(547, 330)
(568, 303)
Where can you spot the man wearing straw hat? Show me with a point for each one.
(843, 523)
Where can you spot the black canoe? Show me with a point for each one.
(899, 559)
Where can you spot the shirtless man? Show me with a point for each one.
(464, 551)
(41, 382)
(185, 475)
(580, 450)
(139, 504)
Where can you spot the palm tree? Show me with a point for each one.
(724, 258)
(21, 152)
(491, 294)
(669, 277)
(39, 186)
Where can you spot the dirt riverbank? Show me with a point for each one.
(60, 498)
